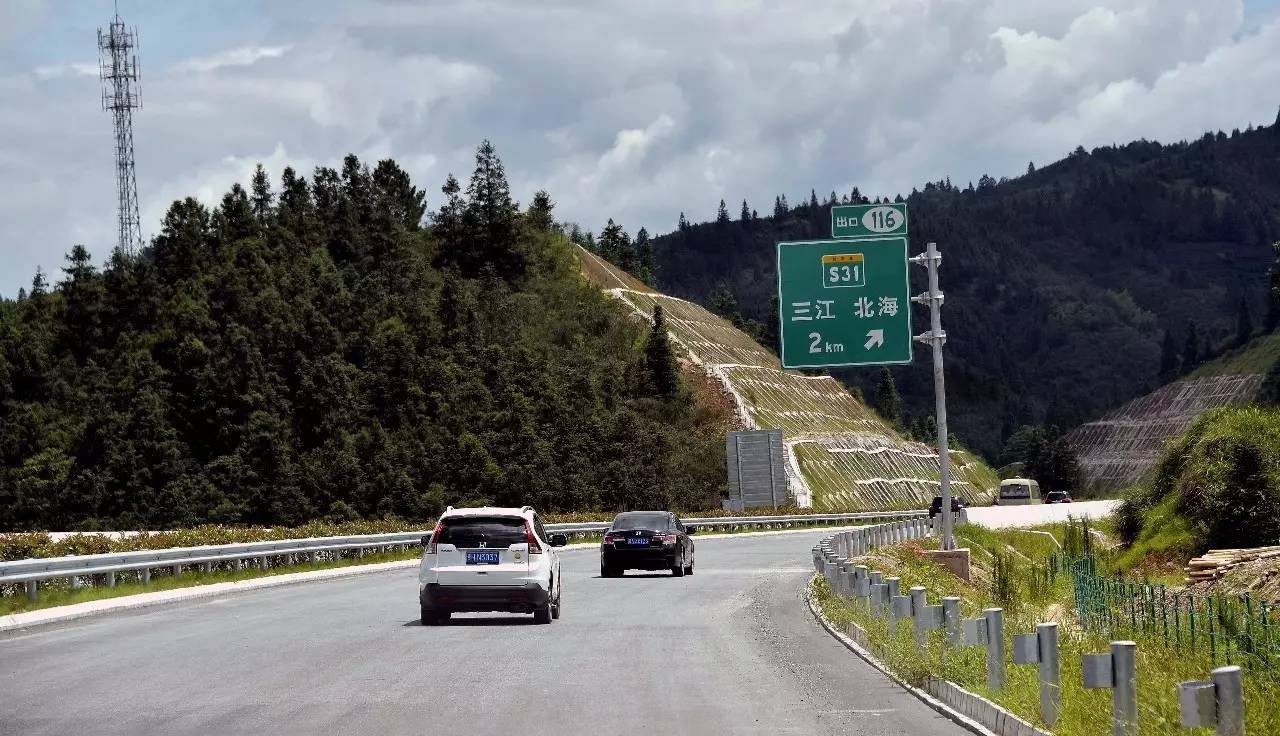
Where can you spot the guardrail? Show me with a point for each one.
(1217, 702)
(105, 568)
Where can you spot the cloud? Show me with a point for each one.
(55, 71)
(243, 56)
(634, 111)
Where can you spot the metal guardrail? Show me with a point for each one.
(82, 569)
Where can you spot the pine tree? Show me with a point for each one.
(540, 215)
(1031, 168)
(449, 228)
(1168, 357)
(725, 304)
(395, 196)
(1191, 349)
(813, 199)
(683, 223)
(644, 254)
(722, 214)
(1244, 322)
(39, 284)
(262, 196)
(659, 359)
(491, 217)
(745, 216)
(779, 209)
(612, 244)
(887, 400)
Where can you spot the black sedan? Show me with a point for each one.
(646, 540)
(935, 508)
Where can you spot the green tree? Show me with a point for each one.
(1168, 357)
(1191, 351)
(539, 215)
(887, 400)
(262, 196)
(449, 225)
(1244, 322)
(1019, 444)
(660, 361)
(722, 214)
(490, 219)
(745, 215)
(644, 256)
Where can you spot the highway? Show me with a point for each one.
(730, 650)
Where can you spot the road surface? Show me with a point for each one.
(997, 517)
(730, 650)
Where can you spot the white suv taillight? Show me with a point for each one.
(534, 547)
(435, 537)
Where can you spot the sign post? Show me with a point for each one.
(935, 337)
(846, 302)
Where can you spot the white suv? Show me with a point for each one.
(490, 559)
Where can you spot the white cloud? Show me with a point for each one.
(636, 110)
(243, 56)
(54, 71)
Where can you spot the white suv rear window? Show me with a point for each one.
(472, 531)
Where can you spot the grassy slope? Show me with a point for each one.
(1257, 356)
(1084, 711)
(849, 457)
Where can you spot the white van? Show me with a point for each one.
(1018, 492)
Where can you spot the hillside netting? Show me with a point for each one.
(841, 454)
(1119, 449)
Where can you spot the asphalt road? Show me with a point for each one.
(997, 517)
(730, 650)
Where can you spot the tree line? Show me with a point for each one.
(328, 349)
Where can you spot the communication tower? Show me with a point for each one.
(121, 95)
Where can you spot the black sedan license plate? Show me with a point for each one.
(638, 541)
(482, 558)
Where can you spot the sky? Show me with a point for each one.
(623, 109)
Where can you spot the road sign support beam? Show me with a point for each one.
(931, 259)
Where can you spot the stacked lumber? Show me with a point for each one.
(1215, 563)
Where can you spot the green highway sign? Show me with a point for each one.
(844, 302)
(868, 220)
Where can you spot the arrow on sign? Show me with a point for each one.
(875, 338)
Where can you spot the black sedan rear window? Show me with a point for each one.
(652, 522)
(493, 531)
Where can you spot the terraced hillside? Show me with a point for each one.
(841, 454)
(1121, 447)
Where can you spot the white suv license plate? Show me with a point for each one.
(483, 558)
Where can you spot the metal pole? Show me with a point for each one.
(995, 648)
(951, 620)
(1230, 693)
(936, 337)
(918, 602)
(1124, 694)
(1050, 672)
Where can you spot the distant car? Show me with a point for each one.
(490, 559)
(936, 507)
(1018, 492)
(646, 540)
(1057, 497)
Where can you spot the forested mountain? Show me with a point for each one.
(1062, 284)
(317, 352)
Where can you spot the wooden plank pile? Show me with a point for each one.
(1215, 563)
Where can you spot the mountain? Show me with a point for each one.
(1060, 283)
(317, 352)
(841, 455)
